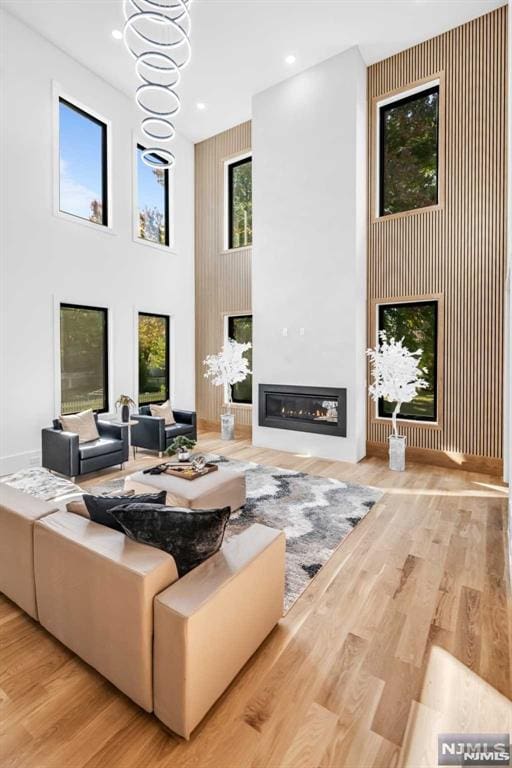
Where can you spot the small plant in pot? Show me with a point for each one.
(397, 377)
(124, 402)
(181, 446)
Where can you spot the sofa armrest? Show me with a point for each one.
(60, 451)
(149, 432)
(117, 431)
(211, 621)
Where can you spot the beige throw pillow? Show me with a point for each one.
(164, 411)
(82, 424)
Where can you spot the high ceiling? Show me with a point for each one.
(239, 46)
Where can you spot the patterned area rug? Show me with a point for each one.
(316, 513)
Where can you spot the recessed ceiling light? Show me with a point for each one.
(117, 34)
(290, 59)
(201, 105)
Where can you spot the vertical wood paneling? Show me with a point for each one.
(458, 250)
(223, 278)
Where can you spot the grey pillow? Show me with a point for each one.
(99, 507)
(191, 536)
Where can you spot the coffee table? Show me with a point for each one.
(224, 488)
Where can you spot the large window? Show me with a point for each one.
(152, 200)
(153, 358)
(240, 329)
(415, 323)
(409, 152)
(240, 203)
(83, 164)
(83, 358)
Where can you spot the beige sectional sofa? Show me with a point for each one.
(172, 645)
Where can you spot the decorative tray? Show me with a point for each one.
(183, 469)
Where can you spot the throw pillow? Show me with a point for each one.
(163, 411)
(100, 507)
(82, 424)
(191, 536)
(76, 504)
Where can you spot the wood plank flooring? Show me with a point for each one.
(406, 632)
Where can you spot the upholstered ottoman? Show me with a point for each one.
(224, 488)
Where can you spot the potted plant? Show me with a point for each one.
(226, 368)
(181, 446)
(125, 401)
(397, 377)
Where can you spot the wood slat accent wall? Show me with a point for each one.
(459, 250)
(223, 278)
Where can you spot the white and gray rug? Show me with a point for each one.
(316, 513)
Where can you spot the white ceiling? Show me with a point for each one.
(238, 46)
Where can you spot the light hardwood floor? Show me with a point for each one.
(406, 632)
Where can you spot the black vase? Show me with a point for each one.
(125, 413)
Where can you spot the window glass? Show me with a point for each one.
(240, 329)
(240, 203)
(153, 358)
(83, 172)
(83, 358)
(416, 324)
(153, 201)
(409, 152)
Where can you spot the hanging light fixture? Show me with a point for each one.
(157, 35)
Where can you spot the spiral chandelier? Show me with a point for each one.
(157, 35)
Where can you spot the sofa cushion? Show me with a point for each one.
(177, 429)
(98, 506)
(100, 447)
(191, 536)
(82, 424)
(163, 411)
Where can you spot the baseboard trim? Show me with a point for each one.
(464, 461)
(17, 461)
(241, 430)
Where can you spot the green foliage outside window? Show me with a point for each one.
(240, 181)
(409, 153)
(83, 358)
(240, 329)
(153, 358)
(416, 324)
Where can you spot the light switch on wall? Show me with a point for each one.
(285, 331)
(302, 331)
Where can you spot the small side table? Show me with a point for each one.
(128, 424)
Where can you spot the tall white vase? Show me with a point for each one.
(397, 445)
(227, 424)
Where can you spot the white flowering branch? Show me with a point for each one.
(397, 375)
(228, 367)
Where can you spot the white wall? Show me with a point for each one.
(46, 259)
(309, 250)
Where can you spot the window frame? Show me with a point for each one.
(229, 164)
(60, 304)
(373, 408)
(392, 97)
(168, 388)
(170, 196)
(227, 334)
(58, 96)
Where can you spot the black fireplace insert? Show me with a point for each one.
(304, 409)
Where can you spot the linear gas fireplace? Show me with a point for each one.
(305, 409)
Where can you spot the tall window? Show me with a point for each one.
(83, 358)
(153, 200)
(416, 323)
(83, 164)
(240, 203)
(153, 358)
(240, 329)
(409, 152)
